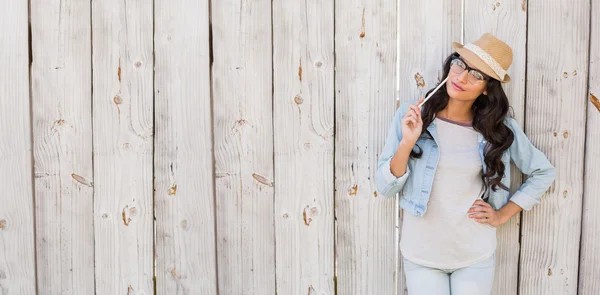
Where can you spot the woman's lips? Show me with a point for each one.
(456, 87)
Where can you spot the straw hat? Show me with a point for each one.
(489, 55)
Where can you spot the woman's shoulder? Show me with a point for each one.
(514, 126)
(511, 123)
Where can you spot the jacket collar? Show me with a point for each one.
(433, 131)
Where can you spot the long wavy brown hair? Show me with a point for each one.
(489, 112)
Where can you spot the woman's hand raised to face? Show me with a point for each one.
(412, 124)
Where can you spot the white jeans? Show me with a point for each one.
(476, 279)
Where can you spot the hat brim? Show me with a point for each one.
(478, 62)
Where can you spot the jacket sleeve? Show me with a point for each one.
(389, 185)
(533, 163)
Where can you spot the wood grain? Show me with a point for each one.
(123, 146)
(183, 160)
(589, 258)
(242, 82)
(17, 247)
(365, 50)
(555, 123)
(61, 85)
(303, 136)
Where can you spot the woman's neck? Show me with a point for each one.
(458, 111)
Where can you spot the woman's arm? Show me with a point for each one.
(532, 162)
(399, 162)
(392, 168)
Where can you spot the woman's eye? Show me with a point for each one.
(478, 75)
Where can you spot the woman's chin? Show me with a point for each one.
(461, 97)
(453, 93)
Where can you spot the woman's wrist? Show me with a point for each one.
(508, 211)
(407, 143)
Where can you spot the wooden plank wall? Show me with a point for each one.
(17, 244)
(227, 147)
(555, 121)
(183, 158)
(242, 84)
(589, 258)
(123, 146)
(365, 50)
(61, 96)
(303, 122)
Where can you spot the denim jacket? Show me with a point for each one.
(415, 185)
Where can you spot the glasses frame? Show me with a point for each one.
(469, 69)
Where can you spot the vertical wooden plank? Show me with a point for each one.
(184, 192)
(590, 237)
(123, 126)
(303, 131)
(557, 65)
(243, 130)
(365, 46)
(62, 145)
(508, 22)
(17, 248)
(424, 48)
(422, 52)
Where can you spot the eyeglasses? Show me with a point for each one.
(475, 77)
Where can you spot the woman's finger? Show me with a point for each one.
(417, 112)
(413, 121)
(482, 203)
(478, 209)
(408, 120)
(482, 220)
(480, 215)
(416, 109)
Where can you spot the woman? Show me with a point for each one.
(450, 161)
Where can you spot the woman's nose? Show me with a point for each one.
(463, 77)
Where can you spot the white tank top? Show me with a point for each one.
(445, 237)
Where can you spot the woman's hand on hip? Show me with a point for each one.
(483, 212)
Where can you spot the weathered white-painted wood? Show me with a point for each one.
(243, 142)
(508, 22)
(422, 52)
(61, 78)
(424, 47)
(184, 192)
(123, 125)
(303, 137)
(17, 250)
(589, 260)
(365, 46)
(557, 65)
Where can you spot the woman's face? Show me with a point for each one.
(464, 86)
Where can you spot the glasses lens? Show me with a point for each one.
(457, 66)
(475, 77)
